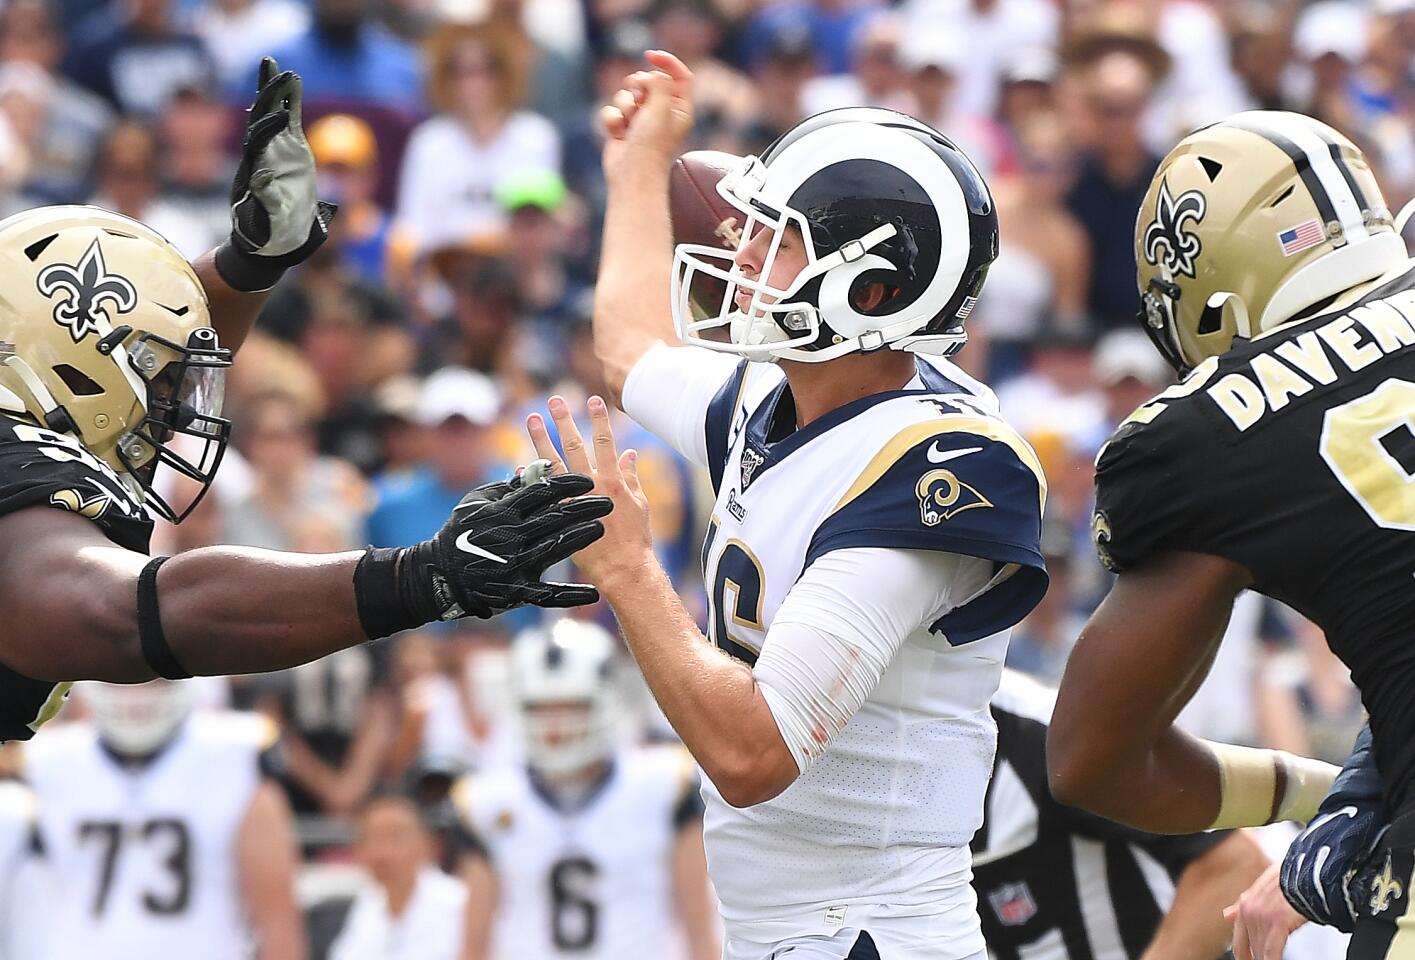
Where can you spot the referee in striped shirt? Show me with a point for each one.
(1057, 883)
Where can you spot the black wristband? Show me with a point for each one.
(151, 638)
(244, 271)
(388, 601)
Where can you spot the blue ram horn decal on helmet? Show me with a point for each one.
(1166, 240)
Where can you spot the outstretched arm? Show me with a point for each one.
(276, 220)
(644, 128)
(1113, 748)
(73, 604)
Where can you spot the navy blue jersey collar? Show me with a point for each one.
(772, 417)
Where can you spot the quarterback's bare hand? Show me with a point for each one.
(651, 113)
(1262, 919)
(627, 543)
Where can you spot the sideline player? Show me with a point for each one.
(161, 833)
(876, 529)
(1272, 274)
(111, 375)
(593, 849)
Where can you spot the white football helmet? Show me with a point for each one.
(135, 720)
(899, 230)
(564, 684)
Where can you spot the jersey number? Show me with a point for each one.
(574, 917)
(738, 586)
(167, 831)
(1369, 443)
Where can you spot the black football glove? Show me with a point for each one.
(276, 220)
(491, 553)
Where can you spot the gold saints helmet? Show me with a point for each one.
(1250, 222)
(105, 336)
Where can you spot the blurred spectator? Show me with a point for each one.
(1039, 278)
(787, 63)
(133, 55)
(1330, 43)
(1113, 174)
(536, 205)
(69, 120)
(410, 910)
(1057, 393)
(347, 155)
(876, 78)
(1028, 87)
(127, 183)
(993, 31)
(480, 135)
(402, 442)
(196, 167)
(831, 24)
(932, 63)
(482, 330)
(724, 100)
(297, 499)
(237, 33)
(346, 56)
(457, 408)
(1041, 643)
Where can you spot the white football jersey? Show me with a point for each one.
(144, 859)
(591, 883)
(19, 894)
(885, 813)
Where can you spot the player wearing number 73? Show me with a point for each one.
(1273, 275)
(875, 534)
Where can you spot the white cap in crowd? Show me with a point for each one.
(1123, 354)
(458, 392)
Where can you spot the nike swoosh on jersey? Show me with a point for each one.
(464, 543)
(936, 455)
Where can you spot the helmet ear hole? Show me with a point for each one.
(1211, 320)
(871, 295)
(79, 383)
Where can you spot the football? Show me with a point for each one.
(699, 213)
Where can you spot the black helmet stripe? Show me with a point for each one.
(1345, 169)
(1310, 178)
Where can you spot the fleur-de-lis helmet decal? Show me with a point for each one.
(1167, 241)
(87, 291)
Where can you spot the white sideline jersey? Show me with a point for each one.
(593, 883)
(143, 860)
(878, 825)
(19, 895)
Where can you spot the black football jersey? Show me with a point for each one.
(1294, 456)
(39, 468)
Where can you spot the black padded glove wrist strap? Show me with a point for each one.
(383, 610)
(244, 271)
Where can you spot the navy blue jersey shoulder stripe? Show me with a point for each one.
(720, 411)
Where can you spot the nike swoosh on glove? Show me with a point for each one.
(490, 555)
(276, 219)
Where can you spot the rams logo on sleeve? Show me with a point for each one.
(942, 496)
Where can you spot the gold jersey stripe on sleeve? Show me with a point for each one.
(911, 436)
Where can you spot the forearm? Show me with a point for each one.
(233, 313)
(712, 700)
(1195, 928)
(694, 900)
(229, 610)
(632, 311)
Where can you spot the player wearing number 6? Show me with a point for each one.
(1273, 276)
(594, 849)
(875, 534)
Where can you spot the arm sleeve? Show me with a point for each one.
(675, 391)
(830, 643)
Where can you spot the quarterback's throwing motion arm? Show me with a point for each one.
(1113, 748)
